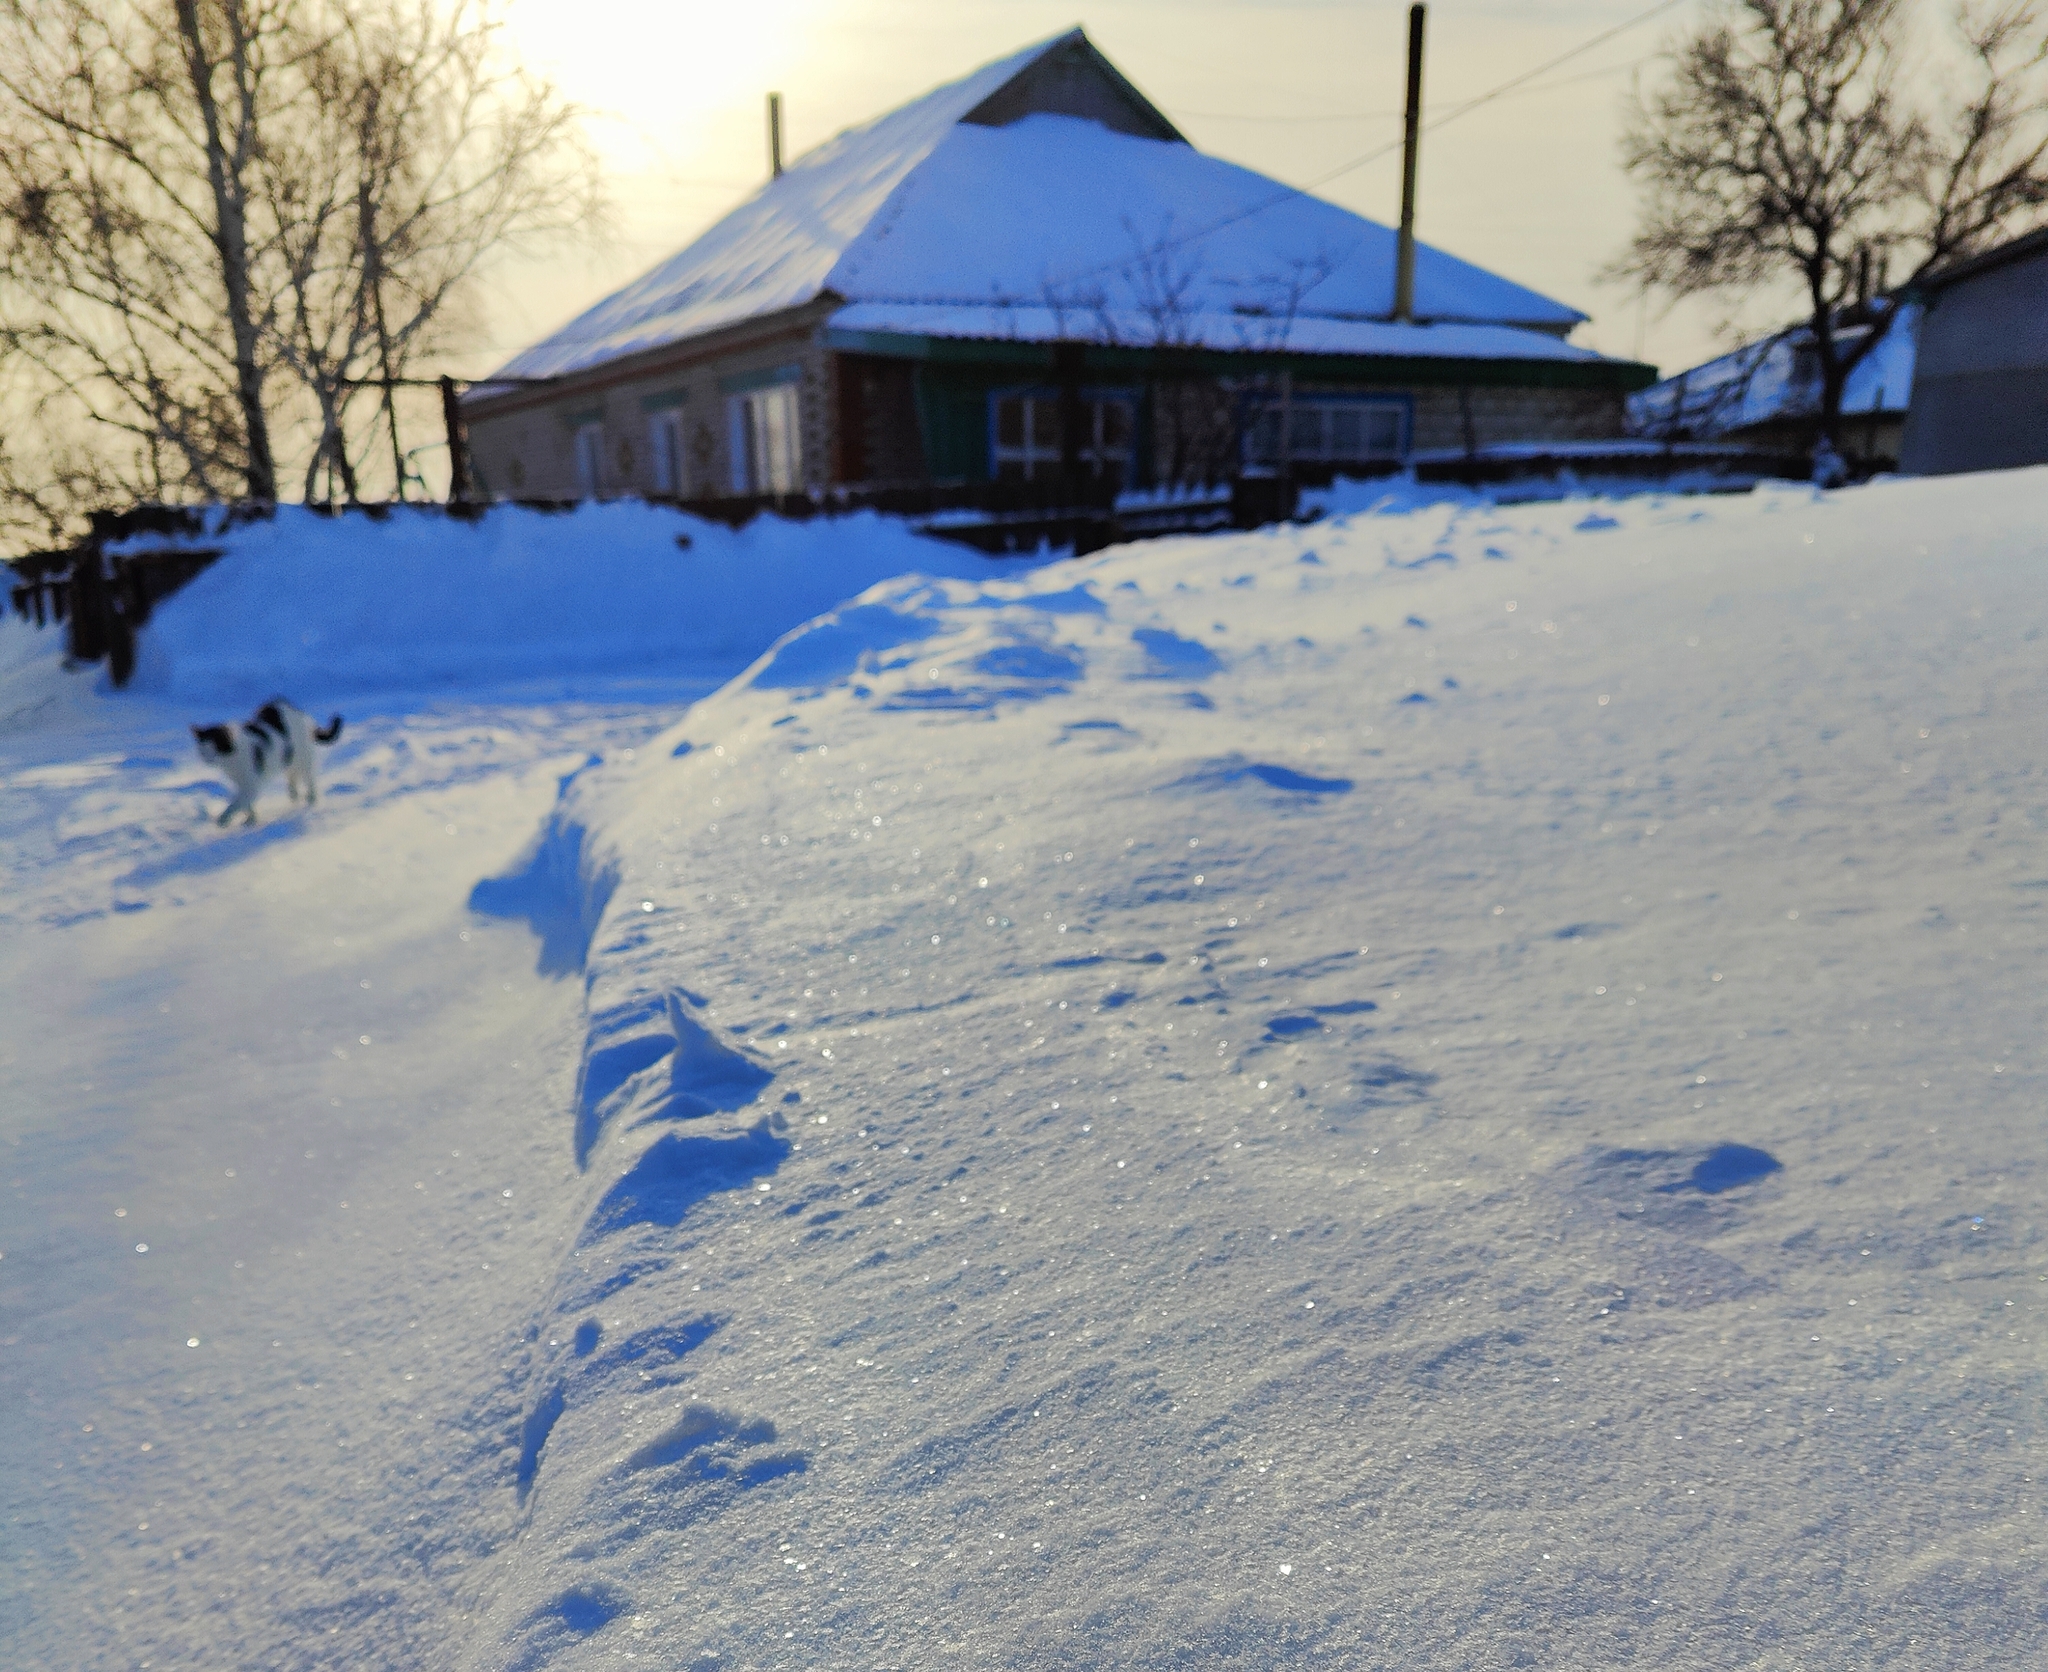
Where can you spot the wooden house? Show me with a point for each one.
(1022, 275)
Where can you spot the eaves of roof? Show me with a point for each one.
(2027, 245)
(793, 326)
(1420, 371)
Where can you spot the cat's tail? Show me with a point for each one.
(329, 732)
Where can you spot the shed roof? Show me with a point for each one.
(1762, 380)
(1045, 182)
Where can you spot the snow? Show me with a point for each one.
(1457, 1085)
(1757, 382)
(778, 249)
(1053, 207)
(918, 210)
(422, 600)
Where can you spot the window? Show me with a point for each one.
(590, 460)
(1027, 436)
(1330, 429)
(767, 445)
(665, 453)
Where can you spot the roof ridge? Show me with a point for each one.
(924, 199)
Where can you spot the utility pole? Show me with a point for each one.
(775, 136)
(1411, 140)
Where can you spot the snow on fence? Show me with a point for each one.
(108, 587)
(381, 564)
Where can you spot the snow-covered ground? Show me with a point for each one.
(1457, 1088)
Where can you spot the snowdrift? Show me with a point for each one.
(306, 603)
(1429, 1090)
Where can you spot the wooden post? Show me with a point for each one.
(1411, 140)
(1285, 463)
(1069, 360)
(775, 136)
(87, 639)
(458, 445)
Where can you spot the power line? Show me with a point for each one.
(1292, 192)
(1389, 115)
(1507, 86)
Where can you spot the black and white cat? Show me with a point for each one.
(278, 739)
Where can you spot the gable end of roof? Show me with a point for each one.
(1071, 78)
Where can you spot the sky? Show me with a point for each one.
(1529, 185)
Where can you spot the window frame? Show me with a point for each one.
(667, 464)
(1258, 454)
(1040, 462)
(766, 457)
(588, 441)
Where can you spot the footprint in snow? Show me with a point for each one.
(1169, 656)
(676, 1173)
(704, 1076)
(1235, 769)
(711, 1444)
(662, 1346)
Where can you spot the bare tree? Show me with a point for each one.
(1784, 147)
(126, 136)
(220, 219)
(431, 157)
(1157, 299)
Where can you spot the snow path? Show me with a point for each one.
(319, 1092)
(1237, 1103)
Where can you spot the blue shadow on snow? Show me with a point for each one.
(1286, 778)
(540, 1423)
(1169, 656)
(677, 1173)
(830, 650)
(547, 889)
(1724, 1168)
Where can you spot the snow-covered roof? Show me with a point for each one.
(925, 207)
(1775, 377)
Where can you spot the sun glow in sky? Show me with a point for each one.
(1530, 185)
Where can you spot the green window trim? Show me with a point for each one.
(667, 401)
(1372, 371)
(589, 415)
(768, 377)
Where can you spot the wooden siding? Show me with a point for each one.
(523, 442)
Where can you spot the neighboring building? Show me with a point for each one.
(1980, 395)
(1766, 395)
(938, 297)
